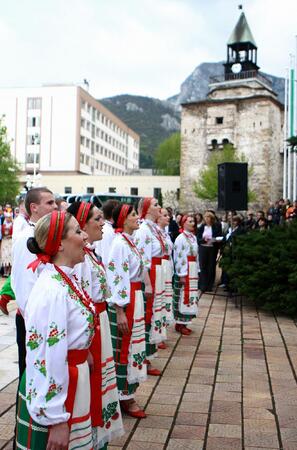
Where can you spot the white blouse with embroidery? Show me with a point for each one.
(56, 321)
(125, 265)
(92, 277)
(148, 242)
(185, 245)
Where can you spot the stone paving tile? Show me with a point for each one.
(184, 418)
(137, 445)
(214, 443)
(155, 435)
(184, 444)
(188, 432)
(224, 430)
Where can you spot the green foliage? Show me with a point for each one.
(292, 141)
(263, 267)
(167, 157)
(206, 188)
(144, 116)
(9, 170)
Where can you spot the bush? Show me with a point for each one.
(263, 266)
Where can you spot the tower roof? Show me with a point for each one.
(241, 33)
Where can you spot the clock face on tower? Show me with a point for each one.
(236, 68)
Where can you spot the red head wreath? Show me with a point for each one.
(82, 213)
(145, 207)
(122, 217)
(182, 223)
(53, 240)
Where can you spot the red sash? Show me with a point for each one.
(96, 374)
(126, 339)
(156, 261)
(187, 283)
(74, 358)
(165, 257)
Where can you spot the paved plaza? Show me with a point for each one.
(230, 385)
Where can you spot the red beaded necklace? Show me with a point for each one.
(85, 299)
(93, 257)
(158, 235)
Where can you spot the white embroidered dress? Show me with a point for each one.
(151, 245)
(56, 322)
(125, 267)
(167, 264)
(92, 277)
(186, 265)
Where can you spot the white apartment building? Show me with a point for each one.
(64, 129)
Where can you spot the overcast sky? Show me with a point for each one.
(143, 47)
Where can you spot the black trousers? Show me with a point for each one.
(207, 261)
(21, 342)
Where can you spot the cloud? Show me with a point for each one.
(145, 47)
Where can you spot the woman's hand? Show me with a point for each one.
(58, 437)
(182, 280)
(90, 360)
(122, 321)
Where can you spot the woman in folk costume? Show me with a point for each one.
(105, 406)
(185, 254)
(167, 264)
(126, 308)
(54, 396)
(151, 244)
(6, 244)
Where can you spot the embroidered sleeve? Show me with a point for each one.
(143, 241)
(47, 369)
(180, 257)
(118, 274)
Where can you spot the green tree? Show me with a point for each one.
(292, 141)
(206, 188)
(9, 170)
(167, 157)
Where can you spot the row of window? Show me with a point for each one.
(95, 131)
(34, 103)
(32, 158)
(100, 165)
(100, 117)
(101, 150)
(33, 139)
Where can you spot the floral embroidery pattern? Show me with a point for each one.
(41, 412)
(111, 266)
(40, 365)
(138, 360)
(117, 279)
(32, 393)
(55, 335)
(84, 283)
(35, 339)
(123, 293)
(125, 265)
(53, 390)
(110, 412)
(147, 240)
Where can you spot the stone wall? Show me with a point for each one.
(252, 123)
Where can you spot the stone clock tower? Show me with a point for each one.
(241, 108)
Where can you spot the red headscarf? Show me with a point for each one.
(53, 241)
(82, 213)
(145, 207)
(122, 217)
(182, 222)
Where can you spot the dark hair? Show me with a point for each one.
(74, 207)
(116, 213)
(33, 196)
(108, 208)
(32, 246)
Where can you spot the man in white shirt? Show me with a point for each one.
(103, 247)
(38, 203)
(20, 222)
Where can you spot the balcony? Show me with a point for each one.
(241, 76)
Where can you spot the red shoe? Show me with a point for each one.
(4, 300)
(139, 414)
(178, 327)
(162, 346)
(154, 372)
(185, 331)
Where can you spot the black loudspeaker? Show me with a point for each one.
(233, 186)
